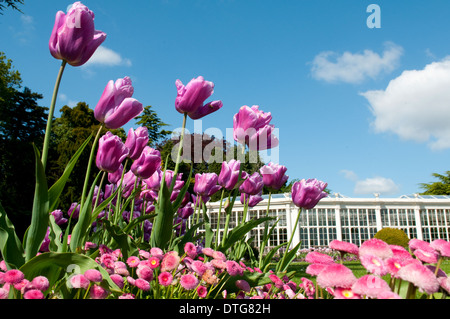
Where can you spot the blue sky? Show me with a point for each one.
(366, 110)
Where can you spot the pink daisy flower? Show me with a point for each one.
(400, 252)
(156, 252)
(33, 294)
(189, 281)
(345, 293)
(131, 280)
(170, 261)
(318, 258)
(93, 275)
(79, 281)
(144, 254)
(370, 286)
(375, 247)
(118, 280)
(165, 279)
(13, 276)
(190, 250)
(98, 292)
(219, 255)
(41, 283)
(208, 251)
(202, 291)
(233, 268)
(388, 295)
(336, 275)
(419, 275)
(441, 246)
(144, 272)
(315, 269)
(127, 296)
(243, 285)
(153, 262)
(344, 247)
(198, 267)
(4, 293)
(3, 266)
(374, 265)
(419, 244)
(219, 264)
(133, 261)
(430, 257)
(142, 284)
(444, 282)
(120, 268)
(277, 281)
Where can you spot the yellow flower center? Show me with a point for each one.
(347, 293)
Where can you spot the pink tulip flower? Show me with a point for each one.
(111, 153)
(307, 193)
(74, 38)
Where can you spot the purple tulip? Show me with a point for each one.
(111, 153)
(252, 185)
(74, 210)
(116, 107)
(307, 193)
(206, 185)
(154, 181)
(136, 141)
(251, 127)
(147, 164)
(190, 98)
(186, 211)
(129, 180)
(229, 174)
(179, 183)
(274, 175)
(74, 38)
(115, 177)
(58, 215)
(252, 200)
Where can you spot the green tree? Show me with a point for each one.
(442, 187)
(10, 4)
(22, 123)
(154, 124)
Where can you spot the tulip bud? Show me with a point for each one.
(229, 174)
(74, 38)
(307, 193)
(251, 127)
(116, 107)
(274, 175)
(147, 164)
(190, 98)
(136, 141)
(253, 185)
(252, 200)
(111, 153)
(206, 185)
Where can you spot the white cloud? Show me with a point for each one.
(415, 105)
(107, 57)
(380, 185)
(375, 185)
(350, 67)
(63, 98)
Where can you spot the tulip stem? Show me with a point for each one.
(50, 115)
(280, 265)
(88, 170)
(177, 163)
(218, 218)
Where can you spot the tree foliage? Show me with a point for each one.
(22, 123)
(10, 4)
(154, 124)
(441, 187)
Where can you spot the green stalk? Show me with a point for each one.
(218, 218)
(266, 228)
(177, 163)
(88, 170)
(292, 236)
(50, 115)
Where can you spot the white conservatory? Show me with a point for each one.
(349, 219)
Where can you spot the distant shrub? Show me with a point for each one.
(393, 236)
